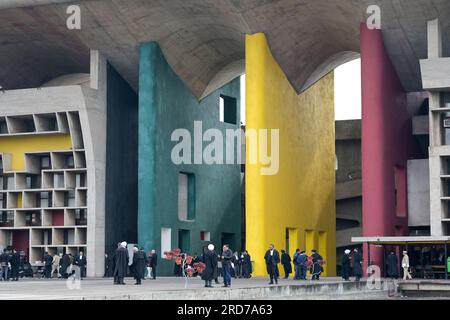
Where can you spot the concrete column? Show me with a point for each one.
(434, 39)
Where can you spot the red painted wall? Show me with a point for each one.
(387, 143)
(58, 218)
(21, 240)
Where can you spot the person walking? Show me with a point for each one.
(345, 263)
(272, 258)
(121, 264)
(357, 265)
(81, 262)
(139, 263)
(246, 265)
(405, 266)
(48, 261)
(227, 255)
(286, 262)
(55, 264)
(15, 263)
(316, 269)
(392, 265)
(210, 260)
(4, 261)
(153, 263)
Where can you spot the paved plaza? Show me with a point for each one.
(162, 288)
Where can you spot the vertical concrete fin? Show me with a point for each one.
(434, 39)
(94, 69)
(149, 55)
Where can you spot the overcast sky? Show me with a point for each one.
(347, 92)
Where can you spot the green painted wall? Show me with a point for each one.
(166, 104)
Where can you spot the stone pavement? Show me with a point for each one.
(172, 288)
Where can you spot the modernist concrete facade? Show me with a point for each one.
(213, 196)
(289, 50)
(348, 185)
(294, 208)
(54, 152)
(436, 80)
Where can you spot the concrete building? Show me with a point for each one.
(61, 165)
(286, 44)
(348, 185)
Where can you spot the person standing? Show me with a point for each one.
(210, 260)
(64, 265)
(121, 263)
(48, 261)
(357, 265)
(139, 263)
(286, 262)
(236, 264)
(295, 262)
(153, 263)
(345, 263)
(55, 264)
(227, 254)
(80, 261)
(107, 266)
(405, 266)
(246, 265)
(15, 263)
(272, 258)
(392, 265)
(4, 260)
(302, 265)
(316, 266)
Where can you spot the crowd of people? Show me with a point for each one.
(142, 265)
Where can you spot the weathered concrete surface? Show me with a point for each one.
(203, 40)
(173, 289)
(425, 288)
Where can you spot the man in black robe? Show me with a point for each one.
(357, 264)
(107, 266)
(81, 262)
(272, 258)
(64, 265)
(246, 265)
(345, 263)
(392, 265)
(210, 260)
(15, 263)
(286, 262)
(121, 263)
(139, 264)
(316, 269)
(48, 262)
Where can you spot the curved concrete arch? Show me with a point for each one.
(329, 65)
(302, 34)
(225, 75)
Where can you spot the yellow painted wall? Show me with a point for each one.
(17, 146)
(302, 195)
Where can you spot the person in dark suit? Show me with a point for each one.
(246, 265)
(48, 262)
(153, 263)
(80, 261)
(15, 264)
(272, 258)
(139, 263)
(286, 262)
(392, 265)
